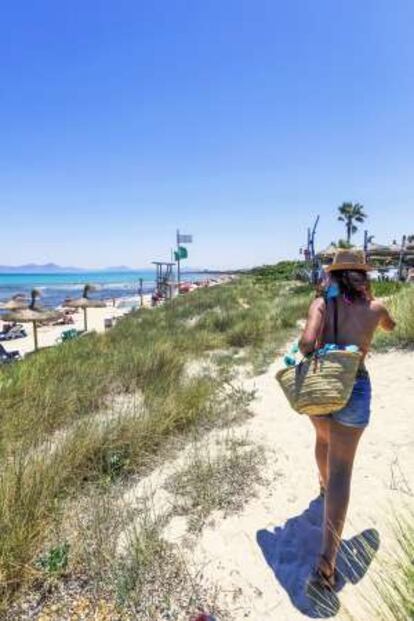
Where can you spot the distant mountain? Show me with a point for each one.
(52, 268)
(33, 268)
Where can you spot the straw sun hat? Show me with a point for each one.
(349, 260)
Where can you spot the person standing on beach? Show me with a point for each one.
(347, 314)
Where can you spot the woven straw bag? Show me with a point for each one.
(320, 385)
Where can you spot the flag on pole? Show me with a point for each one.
(184, 239)
(181, 253)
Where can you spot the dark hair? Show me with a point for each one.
(353, 284)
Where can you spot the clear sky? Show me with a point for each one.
(235, 120)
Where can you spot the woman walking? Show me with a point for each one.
(347, 314)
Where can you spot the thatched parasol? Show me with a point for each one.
(381, 250)
(85, 302)
(32, 314)
(15, 303)
(330, 251)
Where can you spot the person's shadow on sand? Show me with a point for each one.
(292, 551)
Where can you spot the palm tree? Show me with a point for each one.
(350, 213)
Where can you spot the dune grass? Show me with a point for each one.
(221, 481)
(401, 306)
(397, 589)
(63, 434)
(61, 431)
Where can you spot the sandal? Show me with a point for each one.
(320, 589)
(320, 579)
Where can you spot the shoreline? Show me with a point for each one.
(56, 288)
(115, 309)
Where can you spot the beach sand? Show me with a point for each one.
(49, 335)
(260, 558)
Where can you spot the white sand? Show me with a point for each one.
(49, 335)
(261, 557)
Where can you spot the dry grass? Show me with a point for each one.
(223, 481)
(149, 581)
(59, 436)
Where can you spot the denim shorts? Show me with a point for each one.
(357, 411)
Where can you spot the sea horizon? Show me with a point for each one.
(55, 287)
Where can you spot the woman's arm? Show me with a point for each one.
(387, 323)
(313, 326)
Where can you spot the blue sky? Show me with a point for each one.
(235, 120)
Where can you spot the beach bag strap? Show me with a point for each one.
(335, 303)
(325, 318)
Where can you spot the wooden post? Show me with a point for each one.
(85, 319)
(401, 260)
(36, 343)
(366, 242)
(178, 261)
(141, 295)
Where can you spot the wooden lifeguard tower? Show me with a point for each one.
(164, 279)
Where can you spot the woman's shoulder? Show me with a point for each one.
(318, 304)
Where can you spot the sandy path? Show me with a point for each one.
(261, 557)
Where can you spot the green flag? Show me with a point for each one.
(181, 253)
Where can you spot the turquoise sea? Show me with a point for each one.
(54, 288)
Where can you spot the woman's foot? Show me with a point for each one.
(323, 576)
(320, 589)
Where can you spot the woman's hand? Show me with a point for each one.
(386, 322)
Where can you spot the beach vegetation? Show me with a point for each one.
(281, 271)
(386, 288)
(221, 481)
(82, 418)
(401, 306)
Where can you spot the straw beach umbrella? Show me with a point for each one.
(85, 302)
(15, 303)
(329, 251)
(32, 314)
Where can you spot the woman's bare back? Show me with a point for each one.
(357, 322)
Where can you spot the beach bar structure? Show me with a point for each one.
(164, 279)
(398, 256)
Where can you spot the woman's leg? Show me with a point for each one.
(343, 442)
(322, 427)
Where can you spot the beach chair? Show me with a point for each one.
(14, 332)
(69, 335)
(8, 356)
